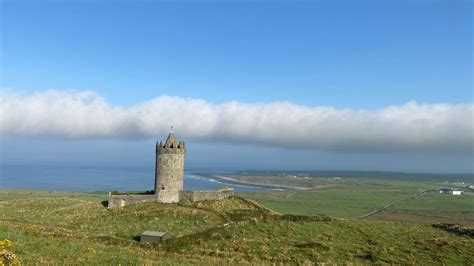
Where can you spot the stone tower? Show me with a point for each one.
(169, 169)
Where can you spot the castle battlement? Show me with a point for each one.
(171, 147)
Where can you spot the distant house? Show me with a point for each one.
(450, 191)
(457, 192)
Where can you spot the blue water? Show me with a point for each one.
(97, 178)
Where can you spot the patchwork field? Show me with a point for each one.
(433, 208)
(356, 197)
(76, 228)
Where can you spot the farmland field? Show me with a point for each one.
(433, 208)
(354, 197)
(343, 204)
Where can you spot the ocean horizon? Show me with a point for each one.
(91, 178)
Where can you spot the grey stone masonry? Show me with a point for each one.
(129, 199)
(203, 195)
(151, 237)
(169, 169)
(184, 196)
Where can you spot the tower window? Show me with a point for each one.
(162, 187)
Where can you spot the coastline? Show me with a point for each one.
(232, 181)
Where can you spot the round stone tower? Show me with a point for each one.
(169, 169)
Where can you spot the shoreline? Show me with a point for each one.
(217, 177)
(232, 181)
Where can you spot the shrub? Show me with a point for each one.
(456, 229)
(7, 257)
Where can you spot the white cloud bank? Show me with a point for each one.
(409, 127)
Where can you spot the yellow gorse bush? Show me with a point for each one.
(6, 243)
(7, 257)
(91, 250)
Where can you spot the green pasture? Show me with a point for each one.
(435, 201)
(345, 198)
(344, 204)
(75, 228)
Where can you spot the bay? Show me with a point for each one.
(98, 178)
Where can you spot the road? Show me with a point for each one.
(394, 203)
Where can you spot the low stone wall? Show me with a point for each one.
(202, 195)
(124, 200)
(184, 196)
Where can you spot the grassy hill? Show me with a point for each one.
(75, 228)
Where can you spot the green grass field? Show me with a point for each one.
(345, 199)
(353, 198)
(440, 202)
(433, 208)
(327, 202)
(75, 228)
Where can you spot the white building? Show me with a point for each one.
(451, 191)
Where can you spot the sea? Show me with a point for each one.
(87, 178)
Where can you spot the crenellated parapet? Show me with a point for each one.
(171, 147)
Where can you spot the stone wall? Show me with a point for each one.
(124, 200)
(169, 176)
(184, 196)
(202, 195)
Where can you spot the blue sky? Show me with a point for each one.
(355, 57)
(345, 54)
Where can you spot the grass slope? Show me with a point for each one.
(75, 228)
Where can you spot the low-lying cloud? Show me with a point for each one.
(410, 127)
